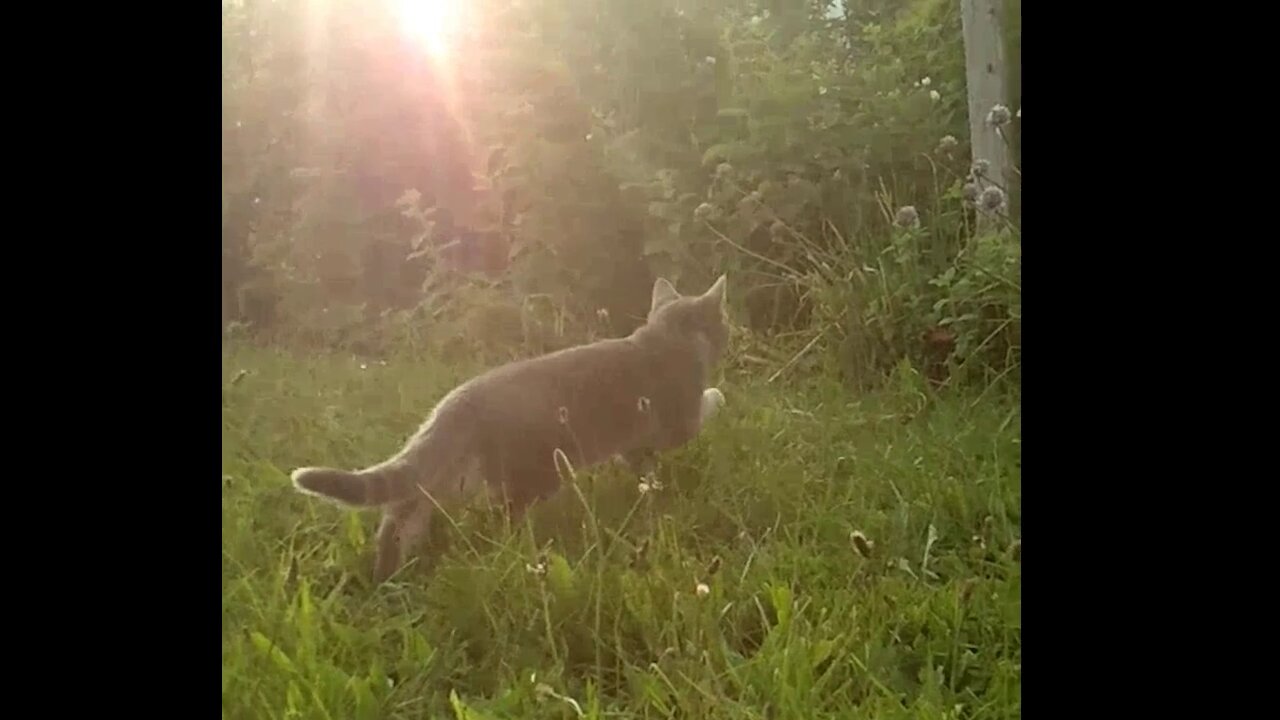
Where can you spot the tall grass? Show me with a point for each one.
(733, 588)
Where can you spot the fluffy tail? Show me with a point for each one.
(365, 488)
(428, 462)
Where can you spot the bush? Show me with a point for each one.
(590, 146)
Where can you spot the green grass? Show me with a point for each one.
(797, 624)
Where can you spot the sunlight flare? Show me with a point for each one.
(433, 23)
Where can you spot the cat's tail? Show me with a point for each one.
(378, 485)
(434, 456)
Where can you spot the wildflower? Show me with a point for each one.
(969, 192)
(861, 543)
(926, 81)
(992, 199)
(907, 217)
(538, 570)
(999, 115)
(980, 168)
(649, 483)
(934, 95)
(948, 143)
(702, 590)
(703, 212)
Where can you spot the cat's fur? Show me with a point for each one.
(628, 397)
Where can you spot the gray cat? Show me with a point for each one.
(628, 397)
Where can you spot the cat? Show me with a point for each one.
(626, 398)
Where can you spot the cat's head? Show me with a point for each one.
(692, 314)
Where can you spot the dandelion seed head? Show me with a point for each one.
(980, 168)
(998, 116)
(907, 217)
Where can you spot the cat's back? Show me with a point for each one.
(604, 359)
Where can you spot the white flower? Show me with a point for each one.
(926, 81)
(702, 590)
(934, 95)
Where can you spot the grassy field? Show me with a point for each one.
(594, 608)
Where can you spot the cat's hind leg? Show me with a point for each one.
(712, 401)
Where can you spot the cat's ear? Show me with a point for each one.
(716, 293)
(663, 293)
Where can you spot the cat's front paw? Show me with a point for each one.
(712, 401)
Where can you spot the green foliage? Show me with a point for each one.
(593, 609)
(605, 142)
